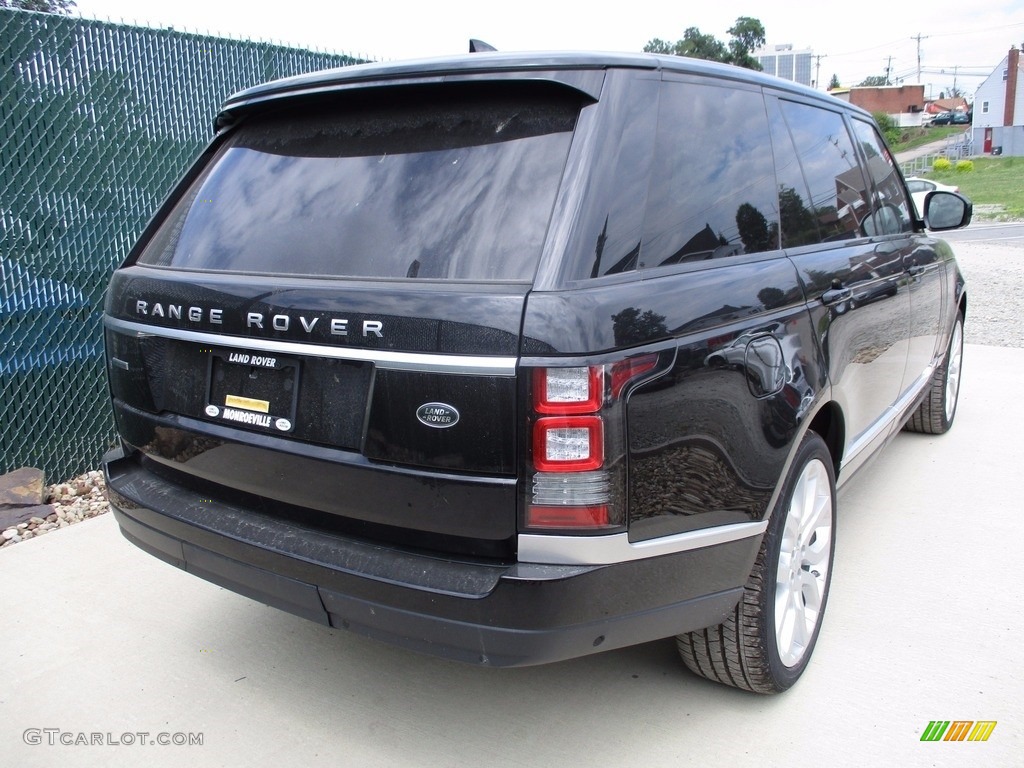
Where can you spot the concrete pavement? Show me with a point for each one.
(923, 624)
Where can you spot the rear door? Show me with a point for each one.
(853, 281)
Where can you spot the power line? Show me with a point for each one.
(977, 31)
(934, 34)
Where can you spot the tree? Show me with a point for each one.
(694, 44)
(772, 297)
(753, 228)
(890, 128)
(43, 6)
(873, 81)
(834, 83)
(630, 326)
(747, 35)
(701, 46)
(657, 45)
(798, 223)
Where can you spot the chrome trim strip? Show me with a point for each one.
(886, 421)
(382, 358)
(606, 550)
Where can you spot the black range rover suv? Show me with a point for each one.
(515, 358)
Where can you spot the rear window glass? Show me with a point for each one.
(446, 183)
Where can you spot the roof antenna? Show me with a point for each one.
(479, 46)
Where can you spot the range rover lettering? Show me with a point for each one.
(514, 358)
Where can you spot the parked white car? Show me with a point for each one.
(919, 189)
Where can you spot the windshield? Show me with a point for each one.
(451, 184)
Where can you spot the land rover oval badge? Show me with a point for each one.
(438, 415)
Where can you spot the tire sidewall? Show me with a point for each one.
(812, 447)
(959, 322)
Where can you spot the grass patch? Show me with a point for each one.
(995, 181)
(911, 138)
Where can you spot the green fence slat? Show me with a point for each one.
(97, 123)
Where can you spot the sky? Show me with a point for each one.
(959, 43)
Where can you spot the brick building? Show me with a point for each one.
(904, 103)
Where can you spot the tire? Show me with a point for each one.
(765, 644)
(935, 414)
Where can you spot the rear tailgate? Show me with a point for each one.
(404, 423)
(327, 315)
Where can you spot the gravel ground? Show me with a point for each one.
(995, 317)
(74, 501)
(995, 302)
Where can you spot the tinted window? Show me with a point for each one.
(796, 214)
(839, 198)
(713, 181)
(892, 214)
(426, 185)
(618, 176)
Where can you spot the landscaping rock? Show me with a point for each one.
(22, 488)
(68, 503)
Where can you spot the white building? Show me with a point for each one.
(782, 61)
(999, 109)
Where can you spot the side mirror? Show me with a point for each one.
(946, 210)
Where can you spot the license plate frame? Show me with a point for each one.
(252, 390)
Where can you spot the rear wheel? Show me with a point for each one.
(936, 412)
(765, 645)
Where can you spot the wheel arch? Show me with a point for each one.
(829, 424)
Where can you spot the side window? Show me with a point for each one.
(891, 215)
(839, 197)
(799, 226)
(613, 215)
(712, 188)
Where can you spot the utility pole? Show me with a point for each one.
(888, 68)
(817, 70)
(919, 37)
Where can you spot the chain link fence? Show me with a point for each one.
(958, 147)
(97, 122)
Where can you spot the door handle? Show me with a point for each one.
(835, 295)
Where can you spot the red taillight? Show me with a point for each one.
(568, 390)
(568, 443)
(576, 484)
(567, 517)
(568, 446)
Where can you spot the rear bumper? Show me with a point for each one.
(483, 613)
